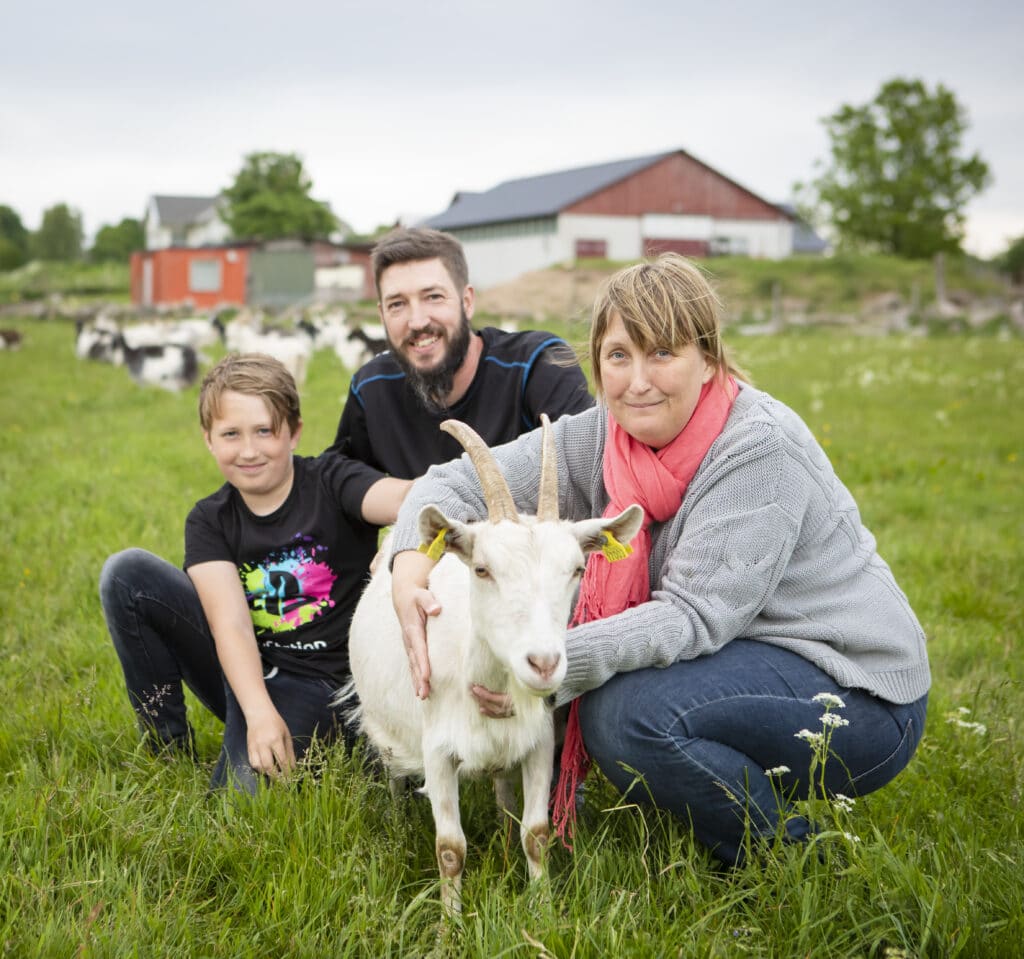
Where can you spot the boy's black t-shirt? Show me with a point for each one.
(386, 425)
(302, 567)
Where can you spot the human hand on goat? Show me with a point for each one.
(271, 750)
(495, 705)
(413, 603)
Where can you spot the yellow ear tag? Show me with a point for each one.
(614, 550)
(436, 549)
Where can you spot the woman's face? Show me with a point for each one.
(652, 394)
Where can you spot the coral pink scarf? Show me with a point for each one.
(657, 480)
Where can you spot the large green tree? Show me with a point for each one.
(1011, 261)
(269, 199)
(117, 243)
(13, 239)
(898, 180)
(59, 236)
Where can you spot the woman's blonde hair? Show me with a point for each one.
(667, 302)
(255, 374)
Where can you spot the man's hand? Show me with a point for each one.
(413, 603)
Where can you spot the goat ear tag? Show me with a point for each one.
(613, 550)
(436, 549)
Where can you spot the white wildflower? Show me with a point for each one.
(843, 803)
(831, 719)
(851, 837)
(828, 699)
(777, 771)
(807, 736)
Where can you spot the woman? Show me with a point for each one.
(753, 589)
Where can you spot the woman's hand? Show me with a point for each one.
(271, 750)
(413, 603)
(495, 705)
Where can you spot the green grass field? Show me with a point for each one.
(106, 852)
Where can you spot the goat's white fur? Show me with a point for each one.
(506, 591)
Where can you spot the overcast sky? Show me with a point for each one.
(394, 107)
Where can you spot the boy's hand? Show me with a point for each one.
(413, 603)
(270, 744)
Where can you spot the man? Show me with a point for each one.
(438, 367)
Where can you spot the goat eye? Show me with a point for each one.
(579, 571)
(482, 572)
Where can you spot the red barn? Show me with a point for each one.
(623, 210)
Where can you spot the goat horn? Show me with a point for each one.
(496, 492)
(547, 496)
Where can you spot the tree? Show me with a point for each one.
(117, 243)
(59, 236)
(270, 199)
(13, 239)
(1011, 260)
(897, 181)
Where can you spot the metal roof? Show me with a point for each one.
(537, 196)
(183, 210)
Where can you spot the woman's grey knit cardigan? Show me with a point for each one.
(767, 545)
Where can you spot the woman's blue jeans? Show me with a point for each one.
(701, 733)
(161, 636)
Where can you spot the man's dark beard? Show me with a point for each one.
(433, 386)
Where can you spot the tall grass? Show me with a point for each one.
(106, 852)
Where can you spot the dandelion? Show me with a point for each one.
(829, 700)
(777, 771)
(831, 719)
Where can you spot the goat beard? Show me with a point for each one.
(433, 386)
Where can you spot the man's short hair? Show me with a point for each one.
(409, 244)
(254, 374)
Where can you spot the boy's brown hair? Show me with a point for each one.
(255, 374)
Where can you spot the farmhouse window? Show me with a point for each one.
(591, 249)
(204, 276)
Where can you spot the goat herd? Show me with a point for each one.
(167, 351)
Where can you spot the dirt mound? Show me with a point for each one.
(559, 292)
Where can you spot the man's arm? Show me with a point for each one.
(554, 386)
(352, 437)
(270, 743)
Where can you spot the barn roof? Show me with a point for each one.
(183, 210)
(537, 196)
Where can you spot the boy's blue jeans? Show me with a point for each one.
(162, 639)
(701, 734)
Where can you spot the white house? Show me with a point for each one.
(184, 221)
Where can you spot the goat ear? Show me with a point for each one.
(453, 536)
(591, 532)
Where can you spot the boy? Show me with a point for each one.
(275, 560)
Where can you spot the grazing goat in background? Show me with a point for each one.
(506, 588)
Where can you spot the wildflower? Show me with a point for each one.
(850, 837)
(828, 699)
(808, 737)
(777, 771)
(956, 718)
(843, 803)
(831, 719)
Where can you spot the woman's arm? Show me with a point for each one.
(413, 603)
(269, 741)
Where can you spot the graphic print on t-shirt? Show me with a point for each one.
(288, 588)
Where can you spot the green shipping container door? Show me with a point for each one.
(279, 278)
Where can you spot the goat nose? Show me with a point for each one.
(544, 665)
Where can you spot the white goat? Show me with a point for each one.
(505, 607)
